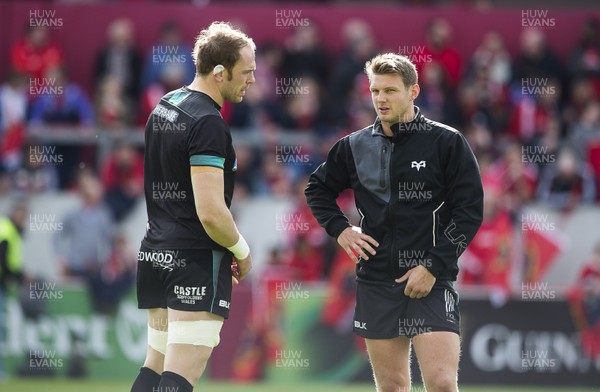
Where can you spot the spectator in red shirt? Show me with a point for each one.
(517, 178)
(13, 111)
(35, 53)
(439, 48)
(584, 297)
(306, 261)
(534, 112)
(172, 77)
(123, 179)
(488, 260)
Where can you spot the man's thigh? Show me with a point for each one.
(438, 354)
(188, 360)
(157, 319)
(390, 361)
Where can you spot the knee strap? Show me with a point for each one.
(197, 333)
(157, 340)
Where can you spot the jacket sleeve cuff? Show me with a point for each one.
(436, 266)
(336, 227)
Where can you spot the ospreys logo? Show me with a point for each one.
(417, 165)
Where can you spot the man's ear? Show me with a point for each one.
(218, 72)
(414, 91)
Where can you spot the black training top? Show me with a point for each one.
(185, 129)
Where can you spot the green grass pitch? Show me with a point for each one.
(58, 385)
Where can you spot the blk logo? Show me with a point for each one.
(224, 304)
(417, 165)
(359, 325)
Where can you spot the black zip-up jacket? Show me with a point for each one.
(418, 193)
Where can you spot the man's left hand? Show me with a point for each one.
(419, 282)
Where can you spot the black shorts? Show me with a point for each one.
(384, 312)
(191, 280)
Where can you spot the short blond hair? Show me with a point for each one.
(393, 63)
(219, 43)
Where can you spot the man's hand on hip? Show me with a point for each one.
(354, 242)
(419, 282)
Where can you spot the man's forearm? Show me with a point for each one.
(220, 227)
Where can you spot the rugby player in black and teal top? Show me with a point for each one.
(186, 264)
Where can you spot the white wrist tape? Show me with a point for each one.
(240, 250)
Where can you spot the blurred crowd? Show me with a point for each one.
(532, 118)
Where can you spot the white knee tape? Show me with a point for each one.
(157, 340)
(197, 333)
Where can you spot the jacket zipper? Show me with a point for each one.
(393, 252)
(383, 168)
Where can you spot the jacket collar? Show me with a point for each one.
(399, 128)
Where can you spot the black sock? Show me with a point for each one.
(173, 382)
(146, 381)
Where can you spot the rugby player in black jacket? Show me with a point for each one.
(418, 191)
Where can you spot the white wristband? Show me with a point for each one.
(240, 250)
